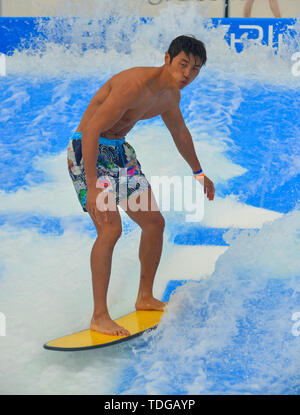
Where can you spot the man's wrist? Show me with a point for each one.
(199, 171)
(195, 166)
(198, 174)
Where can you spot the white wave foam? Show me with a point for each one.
(133, 43)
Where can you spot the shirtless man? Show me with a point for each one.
(98, 149)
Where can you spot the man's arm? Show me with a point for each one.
(107, 115)
(181, 136)
(183, 140)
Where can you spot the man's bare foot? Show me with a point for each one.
(106, 325)
(149, 303)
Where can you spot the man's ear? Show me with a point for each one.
(167, 58)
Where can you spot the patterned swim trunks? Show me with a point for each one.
(116, 163)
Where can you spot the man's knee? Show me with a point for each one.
(111, 232)
(109, 226)
(156, 223)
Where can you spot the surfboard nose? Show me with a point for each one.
(136, 323)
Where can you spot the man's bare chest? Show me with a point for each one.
(148, 108)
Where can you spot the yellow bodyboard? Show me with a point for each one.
(136, 323)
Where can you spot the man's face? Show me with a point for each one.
(183, 68)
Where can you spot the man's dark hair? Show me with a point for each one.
(187, 44)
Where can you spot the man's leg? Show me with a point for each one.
(109, 231)
(275, 8)
(248, 8)
(152, 225)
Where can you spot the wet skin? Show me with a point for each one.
(134, 94)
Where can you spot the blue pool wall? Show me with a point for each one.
(20, 32)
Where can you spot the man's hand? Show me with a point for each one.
(209, 188)
(91, 206)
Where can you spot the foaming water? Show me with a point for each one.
(232, 325)
(231, 333)
(120, 38)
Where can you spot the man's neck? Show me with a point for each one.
(163, 81)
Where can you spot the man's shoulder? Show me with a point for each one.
(135, 74)
(131, 78)
(124, 87)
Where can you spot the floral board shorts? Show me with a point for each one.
(116, 164)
